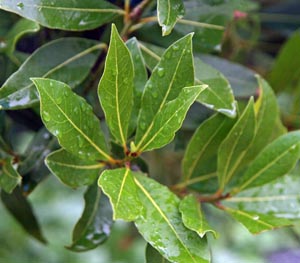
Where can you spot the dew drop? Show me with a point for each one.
(168, 55)
(3, 45)
(175, 47)
(76, 110)
(80, 141)
(137, 57)
(59, 100)
(256, 217)
(20, 5)
(56, 132)
(154, 94)
(142, 125)
(46, 116)
(66, 93)
(161, 72)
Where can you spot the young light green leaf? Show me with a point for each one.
(9, 176)
(139, 81)
(257, 223)
(153, 256)
(277, 159)
(193, 217)
(115, 89)
(266, 115)
(93, 228)
(19, 207)
(280, 198)
(162, 226)
(71, 170)
(71, 66)
(199, 156)
(168, 13)
(120, 187)
(71, 119)
(168, 120)
(66, 15)
(172, 73)
(218, 95)
(22, 27)
(235, 145)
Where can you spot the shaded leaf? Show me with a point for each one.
(93, 228)
(280, 197)
(71, 66)
(200, 156)
(20, 208)
(285, 71)
(257, 223)
(193, 217)
(153, 256)
(277, 159)
(236, 144)
(218, 95)
(162, 226)
(71, 119)
(120, 187)
(241, 79)
(22, 27)
(139, 81)
(71, 170)
(115, 89)
(168, 13)
(9, 176)
(67, 15)
(169, 119)
(172, 73)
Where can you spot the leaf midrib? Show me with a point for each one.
(256, 175)
(162, 103)
(76, 128)
(163, 216)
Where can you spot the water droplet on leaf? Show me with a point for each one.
(46, 116)
(59, 100)
(161, 72)
(175, 47)
(154, 94)
(256, 217)
(142, 125)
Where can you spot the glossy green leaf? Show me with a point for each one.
(71, 66)
(218, 95)
(266, 115)
(168, 120)
(71, 170)
(276, 160)
(93, 228)
(172, 73)
(193, 217)
(139, 81)
(20, 208)
(67, 15)
(286, 67)
(168, 13)
(200, 155)
(22, 27)
(162, 226)
(153, 256)
(280, 198)
(71, 119)
(9, 176)
(236, 144)
(120, 187)
(115, 89)
(257, 223)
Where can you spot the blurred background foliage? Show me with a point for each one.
(263, 36)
